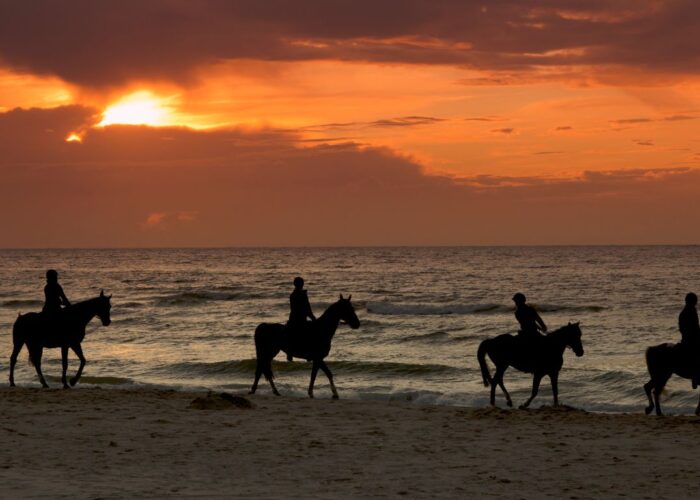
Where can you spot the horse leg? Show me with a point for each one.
(258, 373)
(16, 348)
(314, 372)
(64, 366)
(554, 379)
(36, 354)
(328, 373)
(509, 401)
(647, 390)
(78, 350)
(498, 381)
(536, 379)
(658, 388)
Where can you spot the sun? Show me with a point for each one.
(140, 108)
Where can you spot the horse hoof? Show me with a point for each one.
(12, 384)
(509, 403)
(335, 396)
(276, 393)
(648, 409)
(66, 386)
(73, 381)
(251, 392)
(522, 407)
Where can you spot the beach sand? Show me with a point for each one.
(92, 442)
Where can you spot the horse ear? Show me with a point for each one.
(102, 293)
(110, 297)
(349, 297)
(341, 296)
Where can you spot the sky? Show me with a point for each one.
(312, 123)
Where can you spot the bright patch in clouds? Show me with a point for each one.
(74, 138)
(140, 108)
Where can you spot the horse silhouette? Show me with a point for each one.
(663, 361)
(539, 356)
(313, 344)
(64, 329)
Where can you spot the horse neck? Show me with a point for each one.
(83, 311)
(559, 338)
(329, 320)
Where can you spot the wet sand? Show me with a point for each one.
(93, 442)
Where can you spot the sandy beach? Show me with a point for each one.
(106, 443)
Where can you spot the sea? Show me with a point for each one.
(184, 318)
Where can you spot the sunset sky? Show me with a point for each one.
(407, 122)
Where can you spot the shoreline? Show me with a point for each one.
(115, 442)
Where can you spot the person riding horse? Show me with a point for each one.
(53, 292)
(530, 322)
(300, 310)
(690, 333)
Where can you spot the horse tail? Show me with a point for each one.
(481, 356)
(653, 357)
(262, 355)
(19, 333)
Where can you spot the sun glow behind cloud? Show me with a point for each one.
(139, 108)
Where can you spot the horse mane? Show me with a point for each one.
(561, 330)
(76, 306)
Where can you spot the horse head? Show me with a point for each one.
(347, 312)
(103, 308)
(573, 338)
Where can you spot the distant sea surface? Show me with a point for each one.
(185, 318)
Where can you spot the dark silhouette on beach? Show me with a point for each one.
(530, 322)
(55, 299)
(539, 356)
(313, 344)
(300, 310)
(682, 359)
(64, 328)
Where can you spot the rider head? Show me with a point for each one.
(51, 276)
(519, 299)
(298, 283)
(691, 299)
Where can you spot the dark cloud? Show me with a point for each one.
(630, 121)
(644, 142)
(564, 128)
(99, 43)
(140, 186)
(484, 119)
(547, 152)
(503, 130)
(405, 121)
(678, 118)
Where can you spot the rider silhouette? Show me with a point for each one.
(690, 333)
(530, 322)
(55, 298)
(300, 310)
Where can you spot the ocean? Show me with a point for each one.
(184, 318)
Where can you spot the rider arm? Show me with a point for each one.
(64, 299)
(539, 321)
(309, 313)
